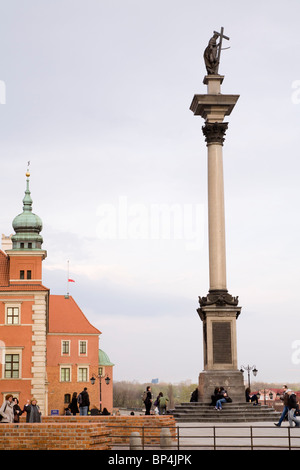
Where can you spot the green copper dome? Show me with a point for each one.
(27, 226)
(104, 359)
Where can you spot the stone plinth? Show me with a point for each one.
(231, 380)
(219, 336)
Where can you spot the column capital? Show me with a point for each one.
(214, 132)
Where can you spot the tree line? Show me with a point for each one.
(129, 394)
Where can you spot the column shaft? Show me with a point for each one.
(216, 218)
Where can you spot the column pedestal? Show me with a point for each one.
(231, 380)
(219, 316)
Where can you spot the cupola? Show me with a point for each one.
(27, 226)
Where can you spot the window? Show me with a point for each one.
(65, 374)
(28, 274)
(82, 374)
(12, 316)
(29, 245)
(67, 398)
(65, 348)
(83, 347)
(12, 366)
(22, 274)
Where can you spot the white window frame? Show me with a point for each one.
(16, 351)
(86, 347)
(12, 305)
(65, 366)
(83, 366)
(61, 350)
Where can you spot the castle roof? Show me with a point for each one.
(66, 317)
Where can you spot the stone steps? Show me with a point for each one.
(231, 412)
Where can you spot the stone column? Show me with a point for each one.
(218, 309)
(214, 136)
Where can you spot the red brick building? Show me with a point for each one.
(48, 348)
(73, 356)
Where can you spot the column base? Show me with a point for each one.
(219, 297)
(232, 381)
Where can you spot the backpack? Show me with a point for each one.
(79, 399)
(144, 396)
(163, 401)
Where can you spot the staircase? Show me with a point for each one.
(232, 412)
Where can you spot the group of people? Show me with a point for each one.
(10, 410)
(81, 404)
(219, 397)
(290, 408)
(160, 403)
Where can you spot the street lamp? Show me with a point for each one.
(248, 369)
(93, 381)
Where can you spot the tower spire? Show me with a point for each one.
(27, 225)
(27, 201)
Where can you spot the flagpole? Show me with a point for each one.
(68, 280)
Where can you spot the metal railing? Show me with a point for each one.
(207, 438)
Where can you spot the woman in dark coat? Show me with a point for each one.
(73, 406)
(215, 396)
(34, 414)
(17, 410)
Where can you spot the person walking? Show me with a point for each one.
(7, 410)
(285, 398)
(34, 414)
(148, 400)
(73, 406)
(84, 402)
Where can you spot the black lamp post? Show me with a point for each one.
(93, 381)
(248, 369)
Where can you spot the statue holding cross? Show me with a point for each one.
(212, 52)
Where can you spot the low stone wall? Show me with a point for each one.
(54, 436)
(83, 432)
(120, 427)
(149, 428)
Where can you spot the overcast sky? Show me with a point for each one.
(96, 95)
